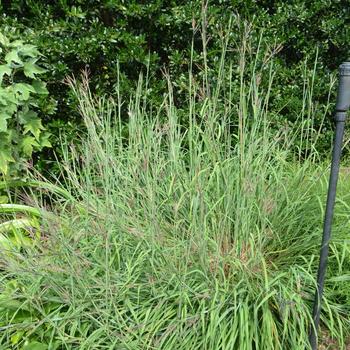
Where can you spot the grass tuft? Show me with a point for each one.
(196, 229)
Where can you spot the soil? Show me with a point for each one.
(329, 343)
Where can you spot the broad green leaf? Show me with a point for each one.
(8, 95)
(29, 87)
(44, 140)
(29, 50)
(36, 184)
(4, 69)
(16, 43)
(31, 69)
(25, 116)
(3, 121)
(34, 126)
(5, 159)
(11, 107)
(3, 124)
(5, 140)
(23, 90)
(21, 226)
(40, 87)
(3, 40)
(19, 208)
(12, 56)
(27, 145)
(3, 100)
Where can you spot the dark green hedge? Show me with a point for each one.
(99, 34)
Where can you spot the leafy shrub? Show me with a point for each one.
(23, 95)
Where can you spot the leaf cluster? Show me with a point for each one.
(23, 97)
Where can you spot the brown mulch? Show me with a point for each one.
(329, 343)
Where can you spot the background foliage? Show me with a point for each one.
(23, 95)
(311, 38)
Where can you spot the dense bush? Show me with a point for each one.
(105, 34)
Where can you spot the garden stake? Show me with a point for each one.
(342, 106)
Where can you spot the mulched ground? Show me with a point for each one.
(328, 343)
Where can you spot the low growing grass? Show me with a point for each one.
(199, 233)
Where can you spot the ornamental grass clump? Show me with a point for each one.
(183, 229)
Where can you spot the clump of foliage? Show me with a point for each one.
(178, 237)
(23, 96)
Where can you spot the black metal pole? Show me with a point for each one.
(342, 106)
